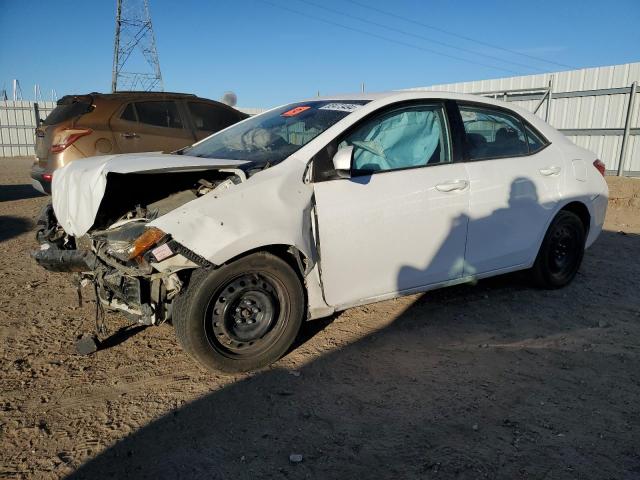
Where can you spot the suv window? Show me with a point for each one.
(493, 133)
(129, 114)
(210, 117)
(66, 109)
(160, 114)
(407, 137)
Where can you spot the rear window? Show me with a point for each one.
(67, 110)
(160, 114)
(211, 118)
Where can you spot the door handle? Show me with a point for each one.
(129, 135)
(453, 185)
(547, 172)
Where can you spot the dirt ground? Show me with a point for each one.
(496, 380)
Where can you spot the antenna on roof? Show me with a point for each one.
(229, 98)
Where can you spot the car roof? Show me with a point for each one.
(399, 95)
(133, 93)
(402, 95)
(119, 97)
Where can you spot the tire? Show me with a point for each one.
(561, 252)
(242, 316)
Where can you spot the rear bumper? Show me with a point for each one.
(39, 181)
(598, 212)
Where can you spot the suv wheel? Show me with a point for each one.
(241, 316)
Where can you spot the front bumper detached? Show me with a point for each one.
(56, 260)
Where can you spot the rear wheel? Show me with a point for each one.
(561, 252)
(242, 316)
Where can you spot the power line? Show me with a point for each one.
(415, 35)
(453, 34)
(382, 37)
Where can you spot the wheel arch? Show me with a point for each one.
(292, 255)
(580, 209)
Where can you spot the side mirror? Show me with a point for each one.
(342, 162)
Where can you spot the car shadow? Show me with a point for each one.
(9, 193)
(11, 227)
(493, 380)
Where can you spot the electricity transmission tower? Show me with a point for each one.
(135, 49)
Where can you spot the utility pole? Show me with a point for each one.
(135, 57)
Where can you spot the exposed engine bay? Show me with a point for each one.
(132, 267)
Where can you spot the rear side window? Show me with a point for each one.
(211, 118)
(67, 111)
(159, 114)
(535, 141)
(493, 133)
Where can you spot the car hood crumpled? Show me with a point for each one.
(78, 188)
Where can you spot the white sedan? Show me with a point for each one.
(321, 205)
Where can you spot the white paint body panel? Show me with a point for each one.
(390, 232)
(511, 204)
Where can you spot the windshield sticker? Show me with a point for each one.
(295, 111)
(341, 107)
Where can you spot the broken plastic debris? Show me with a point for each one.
(295, 458)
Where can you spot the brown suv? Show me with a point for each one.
(125, 122)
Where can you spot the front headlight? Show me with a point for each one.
(144, 242)
(132, 240)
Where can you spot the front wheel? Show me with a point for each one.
(241, 316)
(561, 251)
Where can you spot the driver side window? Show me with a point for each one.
(408, 137)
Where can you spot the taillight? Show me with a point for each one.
(66, 137)
(47, 177)
(600, 166)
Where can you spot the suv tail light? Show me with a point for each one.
(600, 166)
(66, 137)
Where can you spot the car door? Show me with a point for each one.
(150, 126)
(515, 185)
(399, 223)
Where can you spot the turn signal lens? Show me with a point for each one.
(144, 242)
(66, 137)
(600, 166)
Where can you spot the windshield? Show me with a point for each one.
(67, 108)
(273, 136)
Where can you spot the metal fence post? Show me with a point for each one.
(627, 127)
(546, 114)
(36, 112)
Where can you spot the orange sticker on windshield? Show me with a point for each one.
(294, 111)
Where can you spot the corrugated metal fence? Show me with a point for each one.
(589, 105)
(17, 126)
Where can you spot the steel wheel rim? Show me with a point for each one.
(243, 316)
(563, 251)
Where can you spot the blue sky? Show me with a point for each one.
(270, 55)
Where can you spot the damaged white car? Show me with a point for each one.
(317, 206)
